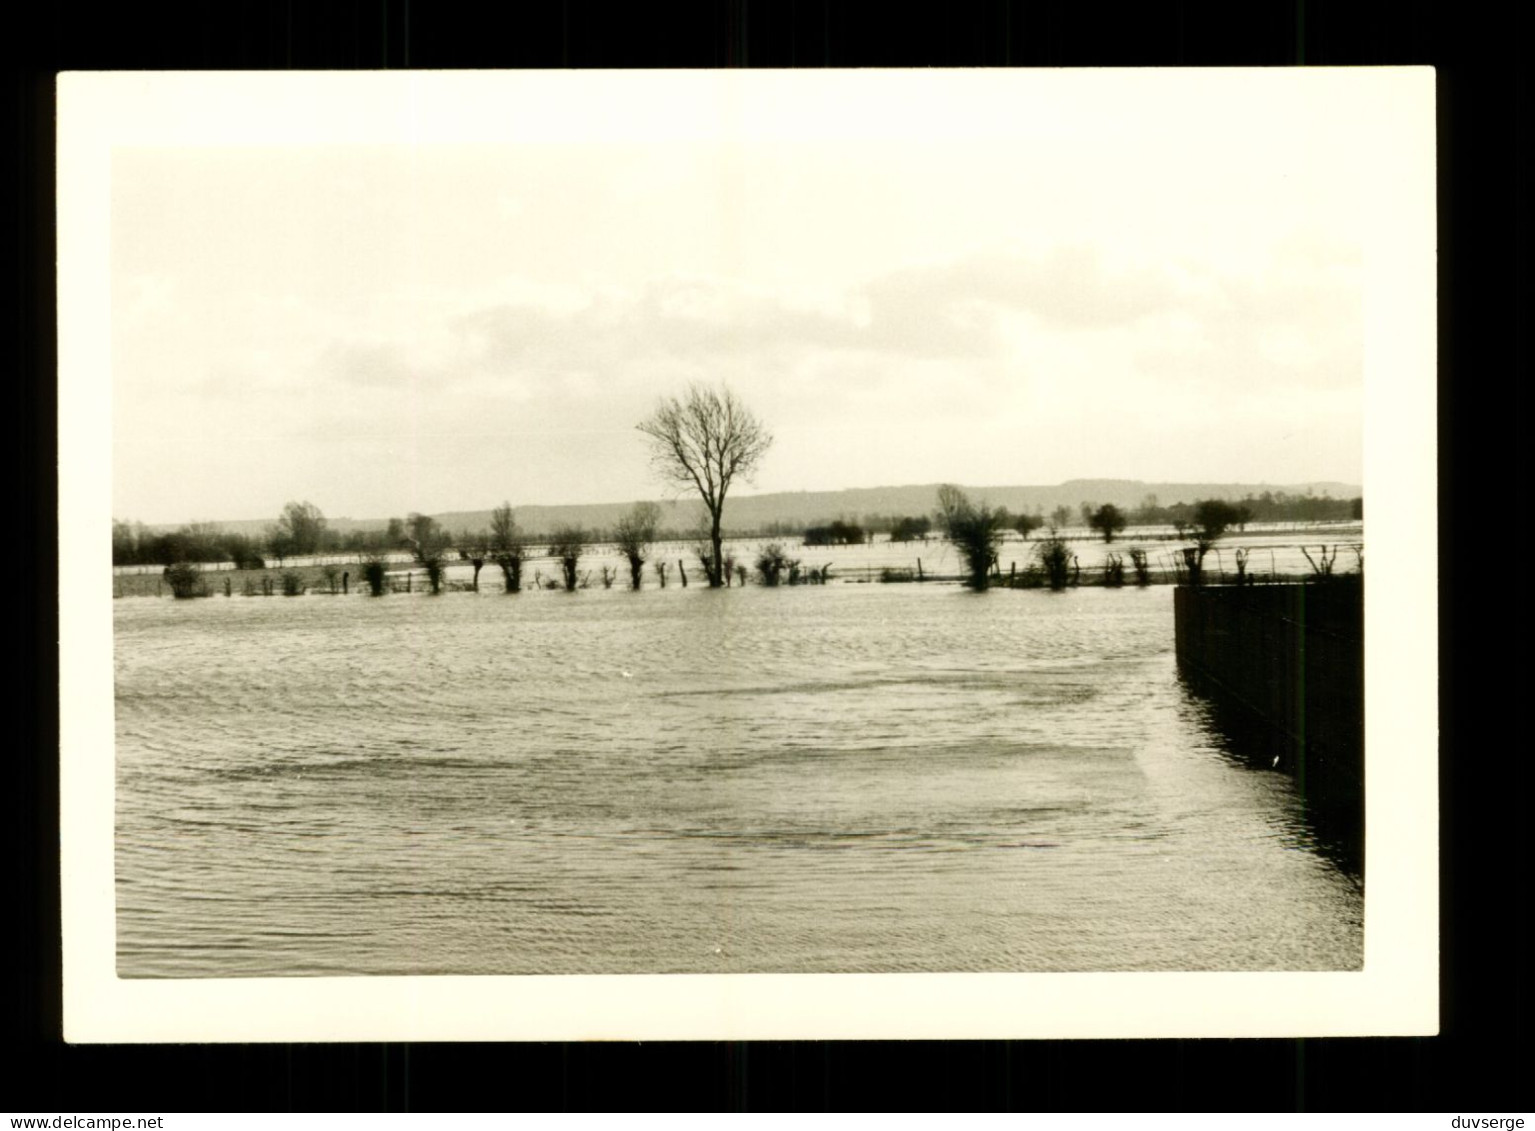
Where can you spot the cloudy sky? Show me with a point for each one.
(1158, 282)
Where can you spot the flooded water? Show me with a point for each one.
(820, 779)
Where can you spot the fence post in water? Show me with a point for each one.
(682, 573)
(345, 577)
(919, 570)
(226, 587)
(1012, 575)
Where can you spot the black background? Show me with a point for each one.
(1476, 1065)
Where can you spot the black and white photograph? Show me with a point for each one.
(797, 554)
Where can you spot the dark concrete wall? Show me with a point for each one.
(1285, 662)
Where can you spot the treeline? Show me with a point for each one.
(302, 530)
(133, 544)
(1270, 506)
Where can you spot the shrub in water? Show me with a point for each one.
(975, 530)
(773, 563)
(292, 583)
(373, 572)
(434, 570)
(1322, 564)
(186, 581)
(1142, 571)
(1055, 559)
(567, 545)
(633, 536)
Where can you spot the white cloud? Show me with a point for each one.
(949, 308)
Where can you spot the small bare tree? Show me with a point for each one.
(474, 548)
(704, 441)
(773, 563)
(635, 533)
(1322, 564)
(1054, 558)
(302, 528)
(976, 531)
(374, 572)
(567, 544)
(507, 547)
(429, 543)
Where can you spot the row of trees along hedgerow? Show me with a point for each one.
(975, 529)
(703, 441)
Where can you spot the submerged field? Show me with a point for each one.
(839, 778)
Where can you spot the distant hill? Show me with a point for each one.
(745, 513)
(803, 508)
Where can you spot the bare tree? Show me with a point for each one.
(303, 526)
(773, 563)
(508, 548)
(1054, 558)
(704, 440)
(567, 544)
(975, 529)
(1321, 565)
(474, 548)
(634, 534)
(429, 542)
(375, 572)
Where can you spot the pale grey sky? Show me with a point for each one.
(1160, 282)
